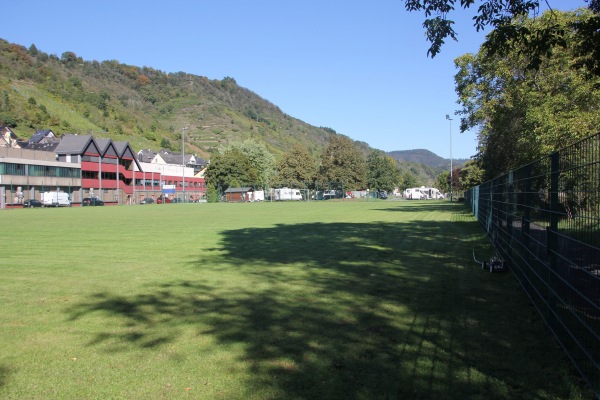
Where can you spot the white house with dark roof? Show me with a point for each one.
(43, 137)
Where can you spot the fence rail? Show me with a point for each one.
(544, 220)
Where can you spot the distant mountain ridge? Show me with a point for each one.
(426, 157)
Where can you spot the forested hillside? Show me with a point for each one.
(423, 156)
(150, 108)
(144, 106)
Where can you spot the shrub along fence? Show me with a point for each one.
(544, 221)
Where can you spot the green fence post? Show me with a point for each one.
(553, 228)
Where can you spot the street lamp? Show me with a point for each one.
(450, 120)
(183, 162)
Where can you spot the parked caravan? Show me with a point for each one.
(259, 195)
(432, 193)
(286, 194)
(56, 199)
(423, 193)
(414, 194)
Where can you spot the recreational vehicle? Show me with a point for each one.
(423, 193)
(286, 194)
(431, 193)
(413, 194)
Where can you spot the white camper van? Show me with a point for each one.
(56, 199)
(423, 193)
(431, 193)
(413, 194)
(286, 194)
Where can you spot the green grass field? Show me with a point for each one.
(319, 300)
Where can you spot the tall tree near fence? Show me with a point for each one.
(522, 114)
(507, 37)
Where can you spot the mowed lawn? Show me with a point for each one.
(318, 300)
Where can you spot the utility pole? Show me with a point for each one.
(183, 161)
(450, 120)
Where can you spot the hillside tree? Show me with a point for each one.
(232, 168)
(342, 164)
(408, 180)
(442, 182)
(260, 159)
(382, 172)
(296, 168)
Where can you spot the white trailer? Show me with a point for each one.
(432, 193)
(414, 194)
(286, 194)
(56, 199)
(256, 195)
(423, 193)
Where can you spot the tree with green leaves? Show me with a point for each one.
(232, 168)
(408, 180)
(382, 172)
(70, 59)
(507, 37)
(212, 194)
(296, 168)
(471, 174)
(260, 158)
(342, 164)
(442, 182)
(523, 114)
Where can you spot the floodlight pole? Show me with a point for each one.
(450, 120)
(183, 162)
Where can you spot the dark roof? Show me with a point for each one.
(176, 158)
(43, 146)
(121, 147)
(38, 136)
(105, 146)
(200, 161)
(239, 190)
(75, 144)
(146, 155)
(169, 157)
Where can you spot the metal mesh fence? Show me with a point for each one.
(544, 220)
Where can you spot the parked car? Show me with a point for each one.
(147, 200)
(32, 203)
(92, 201)
(383, 195)
(330, 194)
(160, 200)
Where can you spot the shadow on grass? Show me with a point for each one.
(431, 206)
(5, 372)
(352, 311)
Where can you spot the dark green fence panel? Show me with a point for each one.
(544, 220)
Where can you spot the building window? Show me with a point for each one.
(12, 169)
(51, 171)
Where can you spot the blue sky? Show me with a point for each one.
(355, 66)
